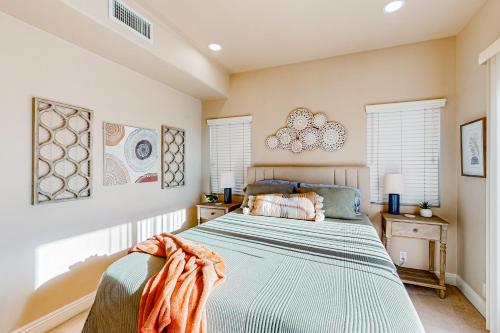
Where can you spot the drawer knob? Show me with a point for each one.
(415, 230)
(212, 213)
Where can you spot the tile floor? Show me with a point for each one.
(454, 314)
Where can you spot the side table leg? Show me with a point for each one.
(431, 255)
(442, 270)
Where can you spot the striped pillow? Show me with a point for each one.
(300, 206)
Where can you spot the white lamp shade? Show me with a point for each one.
(393, 183)
(227, 180)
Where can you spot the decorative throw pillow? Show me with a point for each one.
(255, 189)
(279, 181)
(300, 206)
(357, 200)
(338, 203)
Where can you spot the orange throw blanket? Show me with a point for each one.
(174, 299)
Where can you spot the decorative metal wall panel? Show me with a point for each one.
(62, 152)
(173, 157)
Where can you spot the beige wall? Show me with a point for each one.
(483, 30)
(341, 87)
(53, 254)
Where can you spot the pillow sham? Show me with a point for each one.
(255, 189)
(278, 181)
(299, 206)
(338, 203)
(356, 190)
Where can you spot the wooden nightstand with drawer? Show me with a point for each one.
(434, 229)
(209, 211)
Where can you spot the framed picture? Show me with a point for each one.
(473, 144)
(130, 155)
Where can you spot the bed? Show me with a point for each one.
(283, 275)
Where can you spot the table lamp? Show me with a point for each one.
(227, 183)
(393, 186)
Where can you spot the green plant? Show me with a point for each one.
(425, 205)
(211, 197)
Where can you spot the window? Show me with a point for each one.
(405, 138)
(230, 150)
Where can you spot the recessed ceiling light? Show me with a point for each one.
(394, 6)
(215, 47)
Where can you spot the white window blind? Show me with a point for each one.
(230, 150)
(405, 138)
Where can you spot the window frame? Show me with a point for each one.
(421, 105)
(243, 120)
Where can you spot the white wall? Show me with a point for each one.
(52, 254)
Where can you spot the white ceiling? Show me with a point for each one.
(264, 33)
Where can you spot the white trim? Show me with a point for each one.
(450, 278)
(476, 300)
(493, 199)
(59, 316)
(490, 52)
(229, 120)
(407, 106)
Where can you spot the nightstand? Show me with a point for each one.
(434, 229)
(210, 210)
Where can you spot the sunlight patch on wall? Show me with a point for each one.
(161, 223)
(58, 257)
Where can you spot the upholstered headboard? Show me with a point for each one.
(356, 176)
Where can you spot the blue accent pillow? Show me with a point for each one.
(279, 181)
(357, 197)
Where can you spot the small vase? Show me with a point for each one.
(426, 213)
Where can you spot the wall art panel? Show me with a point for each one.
(62, 152)
(173, 157)
(130, 154)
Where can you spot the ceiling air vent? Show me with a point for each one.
(126, 15)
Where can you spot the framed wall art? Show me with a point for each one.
(62, 152)
(130, 154)
(173, 157)
(473, 148)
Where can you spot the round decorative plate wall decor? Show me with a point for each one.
(310, 138)
(296, 146)
(299, 119)
(286, 136)
(319, 120)
(333, 136)
(272, 142)
(306, 131)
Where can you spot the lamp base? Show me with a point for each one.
(394, 204)
(227, 195)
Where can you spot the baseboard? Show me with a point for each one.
(449, 278)
(476, 300)
(59, 316)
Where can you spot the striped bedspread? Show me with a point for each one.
(282, 276)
